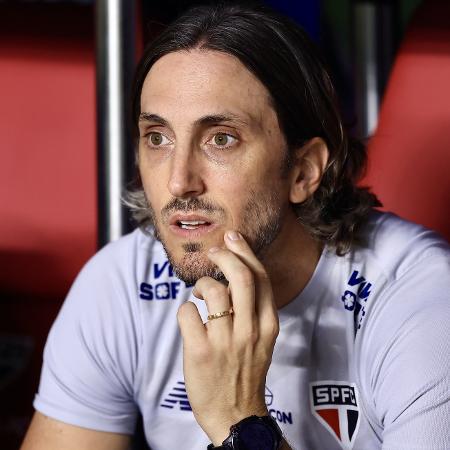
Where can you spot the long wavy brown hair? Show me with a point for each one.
(281, 55)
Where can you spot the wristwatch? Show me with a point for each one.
(253, 433)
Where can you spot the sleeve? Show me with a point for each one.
(406, 359)
(90, 357)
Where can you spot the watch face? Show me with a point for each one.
(255, 435)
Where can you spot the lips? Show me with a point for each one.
(191, 225)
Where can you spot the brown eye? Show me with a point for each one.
(220, 139)
(224, 140)
(156, 138)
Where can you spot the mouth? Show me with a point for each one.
(191, 225)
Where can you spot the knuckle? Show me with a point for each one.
(202, 283)
(271, 328)
(183, 310)
(201, 354)
(244, 276)
(210, 288)
(253, 336)
(263, 276)
(248, 337)
(216, 290)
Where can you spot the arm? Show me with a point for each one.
(49, 434)
(87, 380)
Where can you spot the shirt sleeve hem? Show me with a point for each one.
(122, 425)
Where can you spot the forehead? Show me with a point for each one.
(198, 82)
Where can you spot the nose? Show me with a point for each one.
(185, 179)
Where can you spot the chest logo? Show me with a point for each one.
(355, 296)
(284, 417)
(335, 405)
(164, 284)
(177, 398)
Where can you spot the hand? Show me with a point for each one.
(227, 359)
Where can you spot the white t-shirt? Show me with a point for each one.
(362, 360)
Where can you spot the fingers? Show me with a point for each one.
(241, 285)
(191, 324)
(247, 280)
(217, 300)
(249, 292)
(238, 245)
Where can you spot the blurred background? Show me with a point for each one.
(55, 167)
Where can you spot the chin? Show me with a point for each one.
(190, 263)
(193, 267)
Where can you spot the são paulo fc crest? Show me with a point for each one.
(335, 405)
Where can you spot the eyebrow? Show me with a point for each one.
(209, 119)
(147, 117)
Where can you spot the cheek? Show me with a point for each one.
(231, 187)
(235, 192)
(155, 192)
(153, 181)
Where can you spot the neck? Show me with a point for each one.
(291, 261)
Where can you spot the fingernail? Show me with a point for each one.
(234, 235)
(214, 249)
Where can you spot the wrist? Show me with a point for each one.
(253, 433)
(218, 431)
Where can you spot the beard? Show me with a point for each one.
(260, 225)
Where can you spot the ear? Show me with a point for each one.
(309, 164)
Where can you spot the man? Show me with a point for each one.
(310, 310)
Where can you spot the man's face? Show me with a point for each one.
(211, 157)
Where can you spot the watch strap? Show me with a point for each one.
(268, 421)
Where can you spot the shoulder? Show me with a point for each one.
(400, 267)
(397, 245)
(404, 346)
(127, 251)
(108, 285)
(106, 291)
(415, 266)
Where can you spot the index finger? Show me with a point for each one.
(241, 285)
(263, 288)
(247, 261)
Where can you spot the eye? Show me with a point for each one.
(156, 139)
(223, 140)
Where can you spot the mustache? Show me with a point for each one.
(189, 205)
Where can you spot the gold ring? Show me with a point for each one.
(220, 314)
